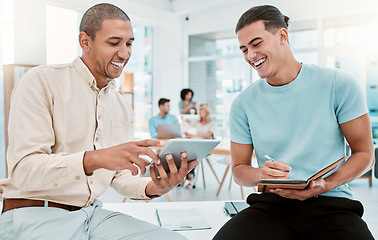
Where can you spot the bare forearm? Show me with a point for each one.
(245, 175)
(90, 162)
(357, 164)
(152, 190)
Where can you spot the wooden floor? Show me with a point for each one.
(367, 195)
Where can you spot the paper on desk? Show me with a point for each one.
(181, 219)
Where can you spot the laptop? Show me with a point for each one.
(168, 131)
(233, 208)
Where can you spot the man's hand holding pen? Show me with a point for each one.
(275, 170)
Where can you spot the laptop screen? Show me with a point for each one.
(167, 131)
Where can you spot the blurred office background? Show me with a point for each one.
(191, 43)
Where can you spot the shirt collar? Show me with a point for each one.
(87, 76)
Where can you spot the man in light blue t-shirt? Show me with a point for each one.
(299, 115)
(162, 118)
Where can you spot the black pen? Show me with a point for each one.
(271, 159)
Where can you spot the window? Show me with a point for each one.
(141, 65)
(217, 73)
(353, 48)
(372, 90)
(304, 45)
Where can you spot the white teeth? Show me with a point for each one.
(118, 64)
(259, 62)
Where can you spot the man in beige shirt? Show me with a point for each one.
(70, 138)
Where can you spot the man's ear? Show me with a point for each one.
(85, 41)
(283, 35)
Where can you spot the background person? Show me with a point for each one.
(70, 138)
(203, 128)
(186, 105)
(299, 115)
(164, 117)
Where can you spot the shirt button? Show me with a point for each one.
(91, 181)
(77, 177)
(97, 138)
(55, 184)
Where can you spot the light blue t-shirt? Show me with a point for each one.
(298, 123)
(156, 120)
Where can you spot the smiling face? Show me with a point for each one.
(262, 49)
(109, 52)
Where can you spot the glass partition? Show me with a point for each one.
(216, 75)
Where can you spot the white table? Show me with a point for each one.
(212, 211)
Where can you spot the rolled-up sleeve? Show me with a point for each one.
(133, 187)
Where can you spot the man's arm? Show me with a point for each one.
(121, 157)
(245, 174)
(358, 134)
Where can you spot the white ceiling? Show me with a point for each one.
(188, 7)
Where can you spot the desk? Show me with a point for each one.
(212, 211)
(223, 148)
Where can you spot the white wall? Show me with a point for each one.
(29, 31)
(168, 66)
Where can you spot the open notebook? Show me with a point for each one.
(265, 184)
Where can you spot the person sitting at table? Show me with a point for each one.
(203, 128)
(309, 135)
(71, 138)
(164, 117)
(186, 106)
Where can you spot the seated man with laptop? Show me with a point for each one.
(164, 125)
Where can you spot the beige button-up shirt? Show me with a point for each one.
(57, 113)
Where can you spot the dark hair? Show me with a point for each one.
(162, 101)
(272, 17)
(184, 92)
(94, 17)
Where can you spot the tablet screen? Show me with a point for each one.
(195, 148)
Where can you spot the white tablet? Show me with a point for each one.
(195, 148)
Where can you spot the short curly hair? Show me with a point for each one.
(184, 92)
(94, 17)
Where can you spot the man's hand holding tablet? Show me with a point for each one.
(196, 149)
(176, 159)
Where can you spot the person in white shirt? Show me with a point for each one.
(70, 138)
(203, 128)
